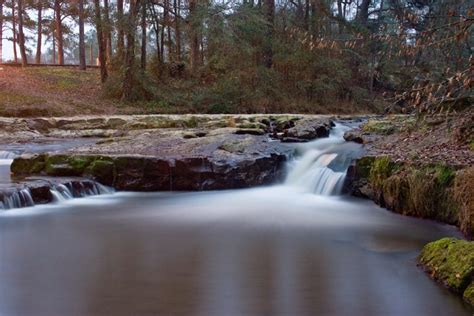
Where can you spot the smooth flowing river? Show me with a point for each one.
(293, 249)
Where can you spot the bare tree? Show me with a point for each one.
(107, 32)
(143, 26)
(194, 26)
(39, 31)
(82, 45)
(120, 30)
(1, 29)
(130, 52)
(15, 53)
(21, 34)
(101, 41)
(59, 31)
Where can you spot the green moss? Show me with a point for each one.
(363, 166)
(396, 193)
(192, 122)
(79, 163)
(382, 168)
(468, 294)
(444, 174)
(379, 127)
(28, 165)
(102, 169)
(236, 146)
(471, 144)
(450, 261)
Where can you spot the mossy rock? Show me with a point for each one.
(252, 125)
(64, 165)
(364, 165)
(102, 169)
(382, 168)
(379, 127)
(236, 146)
(396, 193)
(468, 294)
(450, 261)
(27, 165)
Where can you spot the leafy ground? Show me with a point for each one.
(50, 91)
(438, 139)
(66, 91)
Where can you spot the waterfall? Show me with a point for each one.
(63, 192)
(6, 155)
(322, 165)
(17, 199)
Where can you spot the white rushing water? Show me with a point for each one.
(322, 165)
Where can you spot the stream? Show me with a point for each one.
(296, 248)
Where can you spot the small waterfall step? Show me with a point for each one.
(322, 166)
(43, 191)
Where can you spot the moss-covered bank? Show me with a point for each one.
(437, 192)
(450, 261)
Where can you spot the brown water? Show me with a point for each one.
(266, 251)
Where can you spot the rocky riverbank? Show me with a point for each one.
(422, 168)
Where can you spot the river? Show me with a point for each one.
(296, 248)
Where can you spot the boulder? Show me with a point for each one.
(450, 261)
(309, 129)
(353, 137)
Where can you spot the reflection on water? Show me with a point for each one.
(265, 251)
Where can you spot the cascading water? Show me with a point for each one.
(62, 192)
(18, 195)
(322, 166)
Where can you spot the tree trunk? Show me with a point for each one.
(130, 52)
(91, 55)
(82, 45)
(39, 35)
(177, 5)
(59, 31)
(269, 11)
(120, 31)
(306, 15)
(166, 19)
(156, 28)
(54, 49)
(363, 16)
(101, 41)
(21, 34)
(1, 30)
(15, 54)
(143, 56)
(107, 32)
(194, 26)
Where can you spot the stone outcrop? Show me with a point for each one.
(450, 261)
(171, 152)
(168, 160)
(144, 173)
(308, 129)
(436, 192)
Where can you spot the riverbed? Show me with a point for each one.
(297, 248)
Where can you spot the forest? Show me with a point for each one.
(236, 157)
(302, 56)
